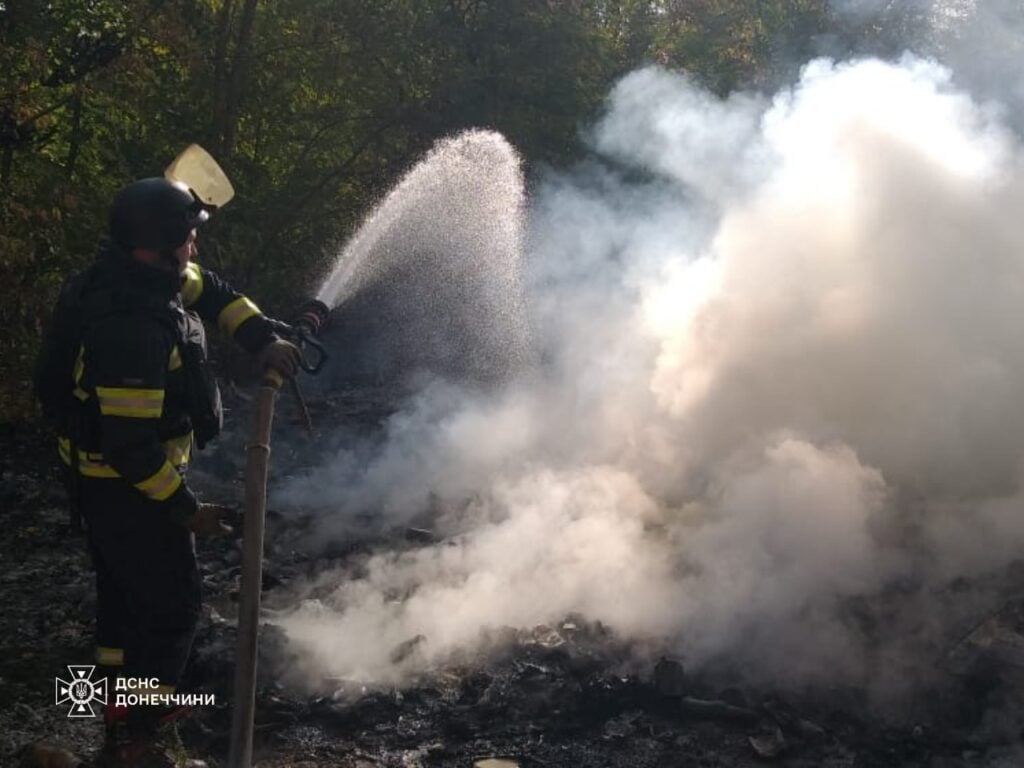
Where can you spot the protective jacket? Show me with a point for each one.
(140, 380)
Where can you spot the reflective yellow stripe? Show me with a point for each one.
(179, 449)
(161, 484)
(89, 464)
(191, 284)
(163, 690)
(174, 363)
(110, 657)
(91, 468)
(236, 313)
(135, 403)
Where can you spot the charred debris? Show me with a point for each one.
(568, 694)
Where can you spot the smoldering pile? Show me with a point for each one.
(779, 377)
(572, 691)
(773, 429)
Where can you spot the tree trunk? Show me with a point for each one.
(221, 70)
(6, 160)
(77, 134)
(239, 70)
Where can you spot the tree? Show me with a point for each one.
(315, 107)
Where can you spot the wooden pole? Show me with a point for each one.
(257, 464)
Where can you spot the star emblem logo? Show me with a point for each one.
(81, 691)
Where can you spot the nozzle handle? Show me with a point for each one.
(308, 341)
(305, 340)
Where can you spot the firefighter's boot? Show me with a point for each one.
(145, 739)
(40, 755)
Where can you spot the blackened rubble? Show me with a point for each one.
(571, 694)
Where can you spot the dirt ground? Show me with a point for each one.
(564, 695)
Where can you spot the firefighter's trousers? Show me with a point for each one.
(147, 582)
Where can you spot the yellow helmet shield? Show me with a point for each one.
(198, 171)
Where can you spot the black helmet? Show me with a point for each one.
(154, 213)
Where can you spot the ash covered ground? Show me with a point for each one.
(567, 694)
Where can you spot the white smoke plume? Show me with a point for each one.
(782, 374)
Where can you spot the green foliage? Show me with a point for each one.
(735, 43)
(314, 107)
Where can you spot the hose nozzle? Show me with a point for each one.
(312, 317)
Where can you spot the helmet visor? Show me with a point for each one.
(200, 173)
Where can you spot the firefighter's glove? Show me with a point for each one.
(283, 356)
(208, 520)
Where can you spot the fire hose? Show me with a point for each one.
(303, 331)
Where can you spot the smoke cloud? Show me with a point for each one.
(781, 380)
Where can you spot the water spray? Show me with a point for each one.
(431, 281)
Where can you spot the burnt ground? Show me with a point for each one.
(565, 695)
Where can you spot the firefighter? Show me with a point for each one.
(141, 396)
